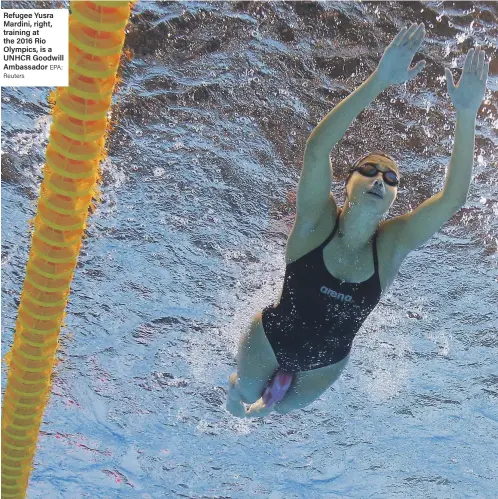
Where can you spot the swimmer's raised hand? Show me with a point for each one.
(394, 65)
(468, 95)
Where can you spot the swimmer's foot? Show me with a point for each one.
(259, 409)
(235, 405)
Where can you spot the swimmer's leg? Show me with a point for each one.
(235, 403)
(307, 386)
(256, 364)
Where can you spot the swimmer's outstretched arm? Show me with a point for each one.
(393, 68)
(313, 191)
(466, 98)
(415, 228)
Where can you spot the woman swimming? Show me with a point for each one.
(339, 262)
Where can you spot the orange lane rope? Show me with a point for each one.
(70, 183)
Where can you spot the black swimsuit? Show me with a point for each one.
(318, 316)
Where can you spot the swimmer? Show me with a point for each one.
(340, 261)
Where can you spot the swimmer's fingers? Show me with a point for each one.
(394, 64)
(416, 39)
(449, 81)
(482, 68)
(398, 38)
(416, 70)
(474, 68)
(411, 39)
(413, 44)
(407, 36)
(468, 61)
(468, 94)
(478, 62)
(473, 60)
(485, 72)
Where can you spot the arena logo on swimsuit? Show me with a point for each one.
(335, 294)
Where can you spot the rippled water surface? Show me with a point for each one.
(211, 118)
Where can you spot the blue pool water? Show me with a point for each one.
(212, 115)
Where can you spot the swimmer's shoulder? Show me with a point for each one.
(305, 237)
(390, 253)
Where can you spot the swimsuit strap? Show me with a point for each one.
(376, 261)
(336, 226)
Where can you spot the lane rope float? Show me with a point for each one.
(69, 187)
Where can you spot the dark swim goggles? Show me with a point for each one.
(371, 169)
